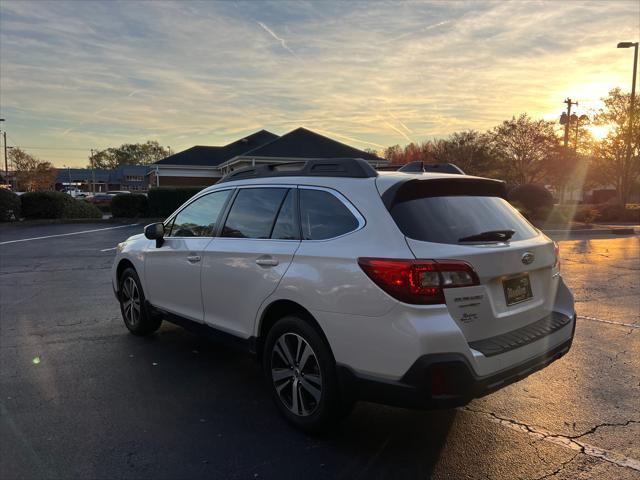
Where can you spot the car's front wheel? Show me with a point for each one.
(135, 313)
(301, 373)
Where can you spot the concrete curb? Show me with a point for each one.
(590, 231)
(61, 221)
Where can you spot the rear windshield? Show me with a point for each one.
(448, 219)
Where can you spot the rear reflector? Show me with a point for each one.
(418, 281)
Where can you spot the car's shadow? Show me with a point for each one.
(208, 413)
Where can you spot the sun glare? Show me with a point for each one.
(599, 131)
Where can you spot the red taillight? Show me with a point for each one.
(418, 281)
(556, 251)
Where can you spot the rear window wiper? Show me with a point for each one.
(490, 236)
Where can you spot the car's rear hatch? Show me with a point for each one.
(468, 219)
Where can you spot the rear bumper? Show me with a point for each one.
(442, 380)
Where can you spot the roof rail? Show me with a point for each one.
(316, 167)
(419, 167)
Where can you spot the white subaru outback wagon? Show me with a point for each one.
(418, 290)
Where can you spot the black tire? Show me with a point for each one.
(138, 319)
(313, 380)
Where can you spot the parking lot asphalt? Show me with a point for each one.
(81, 398)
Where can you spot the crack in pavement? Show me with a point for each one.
(562, 466)
(566, 441)
(610, 322)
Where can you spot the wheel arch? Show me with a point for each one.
(123, 264)
(277, 310)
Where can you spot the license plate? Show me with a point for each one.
(517, 289)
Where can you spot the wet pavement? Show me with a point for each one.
(81, 398)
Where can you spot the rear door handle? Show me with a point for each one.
(267, 261)
(194, 258)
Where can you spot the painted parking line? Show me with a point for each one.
(69, 234)
(108, 249)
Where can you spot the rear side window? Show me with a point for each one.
(253, 212)
(447, 219)
(285, 227)
(198, 219)
(324, 216)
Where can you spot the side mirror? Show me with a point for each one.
(155, 231)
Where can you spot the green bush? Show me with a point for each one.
(104, 208)
(130, 205)
(632, 215)
(56, 205)
(80, 209)
(534, 201)
(9, 205)
(163, 201)
(587, 215)
(612, 213)
(44, 204)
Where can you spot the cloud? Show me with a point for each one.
(104, 73)
(279, 39)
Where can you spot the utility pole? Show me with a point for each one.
(93, 173)
(569, 103)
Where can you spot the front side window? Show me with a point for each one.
(324, 216)
(253, 213)
(198, 219)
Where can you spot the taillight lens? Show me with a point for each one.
(556, 251)
(418, 281)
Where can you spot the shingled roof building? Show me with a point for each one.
(201, 165)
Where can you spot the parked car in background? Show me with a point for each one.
(75, 193)
(100, 199)
(421, 290)
(113, 193)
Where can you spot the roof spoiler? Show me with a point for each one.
(419, 167)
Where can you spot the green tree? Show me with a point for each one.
(525, 148)
(32, 173)
(609, 165)
(129, 154)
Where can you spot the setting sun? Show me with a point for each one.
(599, 131)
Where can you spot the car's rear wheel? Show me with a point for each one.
(301, 373)
(134, 310)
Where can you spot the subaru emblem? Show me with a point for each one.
(528, 258)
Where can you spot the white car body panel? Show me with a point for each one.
(368, 331)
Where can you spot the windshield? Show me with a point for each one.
(449, 219)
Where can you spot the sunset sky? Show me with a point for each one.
(82, 75)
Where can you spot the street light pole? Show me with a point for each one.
(6, 161)
(631, 103)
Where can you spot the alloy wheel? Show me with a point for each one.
(296, 374)
(131, 301)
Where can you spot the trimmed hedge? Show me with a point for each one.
(9, 205)
(534, 201)
(163, 201)
(131, 205)
(589, 213)
(81, 209)
(44, 204)
(56, 205)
